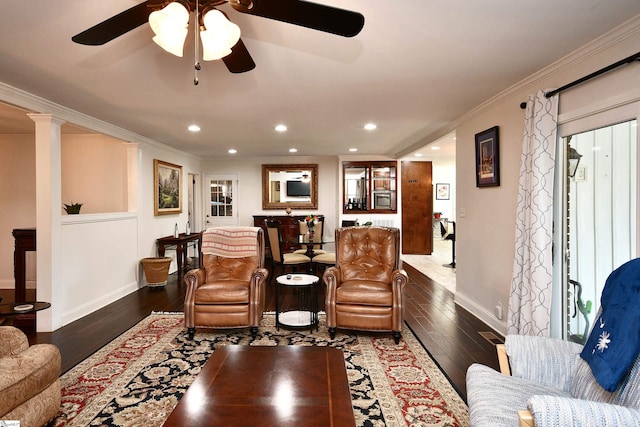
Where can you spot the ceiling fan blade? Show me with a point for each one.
(239, 60)
(116, 26)
(306, 14)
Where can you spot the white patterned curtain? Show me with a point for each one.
(530, 296)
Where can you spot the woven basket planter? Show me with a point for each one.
(156, 270)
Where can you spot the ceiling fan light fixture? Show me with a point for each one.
(170, 25)
(219, 35)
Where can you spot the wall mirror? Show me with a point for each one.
(290, 186)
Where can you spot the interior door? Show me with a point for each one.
(220, 196)
(417, 208)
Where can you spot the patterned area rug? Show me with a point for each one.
(137, 379)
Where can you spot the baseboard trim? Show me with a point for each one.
(481, 313)
(94, 305)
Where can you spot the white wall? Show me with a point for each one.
(485, 235)
(444, 173)
(152, 227)
(249, 170)
(94, 173)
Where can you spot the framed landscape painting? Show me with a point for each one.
(168, 188)
(487, 158)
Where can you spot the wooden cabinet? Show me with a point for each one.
(369, 187)
(289, 229)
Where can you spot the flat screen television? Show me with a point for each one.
(298, 189)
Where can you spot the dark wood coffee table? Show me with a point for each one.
(268, 386)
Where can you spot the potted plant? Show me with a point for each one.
(72, 209)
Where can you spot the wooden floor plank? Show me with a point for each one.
(447, 331)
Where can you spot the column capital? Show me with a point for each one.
(45, 118)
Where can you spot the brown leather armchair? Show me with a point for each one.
(228, 291)
(365, 288)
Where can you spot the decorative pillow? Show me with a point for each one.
(614, 342)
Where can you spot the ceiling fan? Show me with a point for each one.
(316, 16)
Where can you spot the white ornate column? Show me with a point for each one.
(48, 217)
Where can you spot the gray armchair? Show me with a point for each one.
(544, 382)
(552, 382)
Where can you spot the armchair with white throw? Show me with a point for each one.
(552, 382)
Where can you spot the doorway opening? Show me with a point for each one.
(442, 155)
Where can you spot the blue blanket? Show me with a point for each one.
(614, 342)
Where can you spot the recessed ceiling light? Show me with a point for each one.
(353, 150)
(232, 151)
(435, 148)
(418, 155)
(194, 128)
(293, 150)
(281, 128)
(370, 126)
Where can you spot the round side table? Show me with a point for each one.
(307, 313)
(9, 311)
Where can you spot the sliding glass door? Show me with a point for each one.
(598, 214)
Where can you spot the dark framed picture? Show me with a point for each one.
(442, 191)
(168, 188)
(487, 158)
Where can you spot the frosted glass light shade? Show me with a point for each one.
(170, 25)
(219, 35)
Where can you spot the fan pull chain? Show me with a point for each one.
(196, 31)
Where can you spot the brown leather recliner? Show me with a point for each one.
(365, 288)
(228, 291)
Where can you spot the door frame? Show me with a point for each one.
(571, 124)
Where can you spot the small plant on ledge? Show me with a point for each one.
(73, 208)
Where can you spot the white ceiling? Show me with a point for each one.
(416, 66)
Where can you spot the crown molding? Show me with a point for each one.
(611, 39)
(33, 103)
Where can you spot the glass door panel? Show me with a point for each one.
(220, 194)
(600, 217)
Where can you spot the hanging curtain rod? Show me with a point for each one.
(625, 61)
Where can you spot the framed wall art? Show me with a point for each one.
(487, 158)
(168, 188)
(442, 191)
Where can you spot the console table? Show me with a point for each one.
(25, 240)
(181, 242)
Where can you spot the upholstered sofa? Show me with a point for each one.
(29, 384)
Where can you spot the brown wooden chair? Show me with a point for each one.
(228, 291)
(365, 288)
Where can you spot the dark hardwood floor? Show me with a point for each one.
(448, 332)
